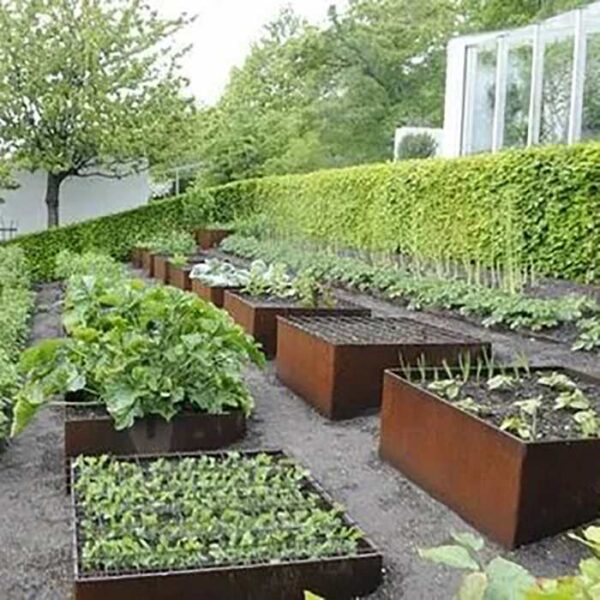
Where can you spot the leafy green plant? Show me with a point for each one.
(588, 337)
(499, 579)
(201, 512)
(417, 145)
(220, 273)
(138, 350)
(179, 260)
(172, 243)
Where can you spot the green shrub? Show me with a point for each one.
(538, 207)
(416, 145)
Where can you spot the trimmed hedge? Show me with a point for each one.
(515, 209)
(537, 207)
(117, 234)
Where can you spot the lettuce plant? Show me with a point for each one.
(220, 273)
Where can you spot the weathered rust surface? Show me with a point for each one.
(516, 492)
(209, 238)
(342, 380)
(185, 433)
(147, 262)
(259, 319)
(179, 276)
(214, 294)
(137, 257)
(161, 267)
(337, 578)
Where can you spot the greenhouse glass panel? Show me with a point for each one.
(518, 94)
(556, 88)
(591, 95)
(482, 98)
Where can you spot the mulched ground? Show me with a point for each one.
(35, 538)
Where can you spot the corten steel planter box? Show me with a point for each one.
(259, 316)
(180, 276)
(160, 269)
(337, 364)
(147, 262)
(137, 257)
(214, 294)
(514, 491)
(336, 578)
(187, 432)
(209, 238)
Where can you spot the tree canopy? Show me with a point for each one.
(87, 87)
(309, 98)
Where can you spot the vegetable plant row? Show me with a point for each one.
(135, 350)
(495, 307)
(16, 300)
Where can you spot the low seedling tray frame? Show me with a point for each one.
(335, 578)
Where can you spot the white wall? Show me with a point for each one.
(80, 199)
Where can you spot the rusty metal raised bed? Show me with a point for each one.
(160, 269)
(258, 316)
(339, 577)
(214, 294)
(93, 433)
(337, 364)
(179, 276)
(147, 262)
(137, 257)
(514, 491)
(210, 238)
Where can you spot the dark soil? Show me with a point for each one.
(375, 331)
(494, 406)
(35, 548)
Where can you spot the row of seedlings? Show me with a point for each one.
(495, 443)
(165, 521)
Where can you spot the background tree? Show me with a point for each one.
(87, 87)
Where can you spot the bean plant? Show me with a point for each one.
(203, 511)
(171, 243)
(495, 307)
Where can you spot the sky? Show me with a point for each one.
(223, 33)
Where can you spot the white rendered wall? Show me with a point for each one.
(80, 199)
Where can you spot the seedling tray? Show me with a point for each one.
(179, 277)
(514, 491)
(214, 294)
(337, 363)
(209, 238)
(259, 316)
(91, 434)
(335, 578)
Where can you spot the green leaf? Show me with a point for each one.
(468, 540)
(507, 580)
(473, 587)
(457, 557)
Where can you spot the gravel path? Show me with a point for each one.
(397, 515)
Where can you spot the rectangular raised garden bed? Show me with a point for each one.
(242, 570)
(137, 257)
(160, 269)
(93, 433)
(147, 262)
(337, 364)
(179, 276)
(214, 294)
(258, 316)
(210, 238)
(513, 490)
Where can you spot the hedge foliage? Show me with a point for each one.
(117, 234)
(537, 207)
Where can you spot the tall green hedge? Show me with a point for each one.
(117, 234)
(518, 208)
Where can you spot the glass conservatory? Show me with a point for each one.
(535, 85)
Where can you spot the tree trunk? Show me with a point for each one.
(52, 197)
